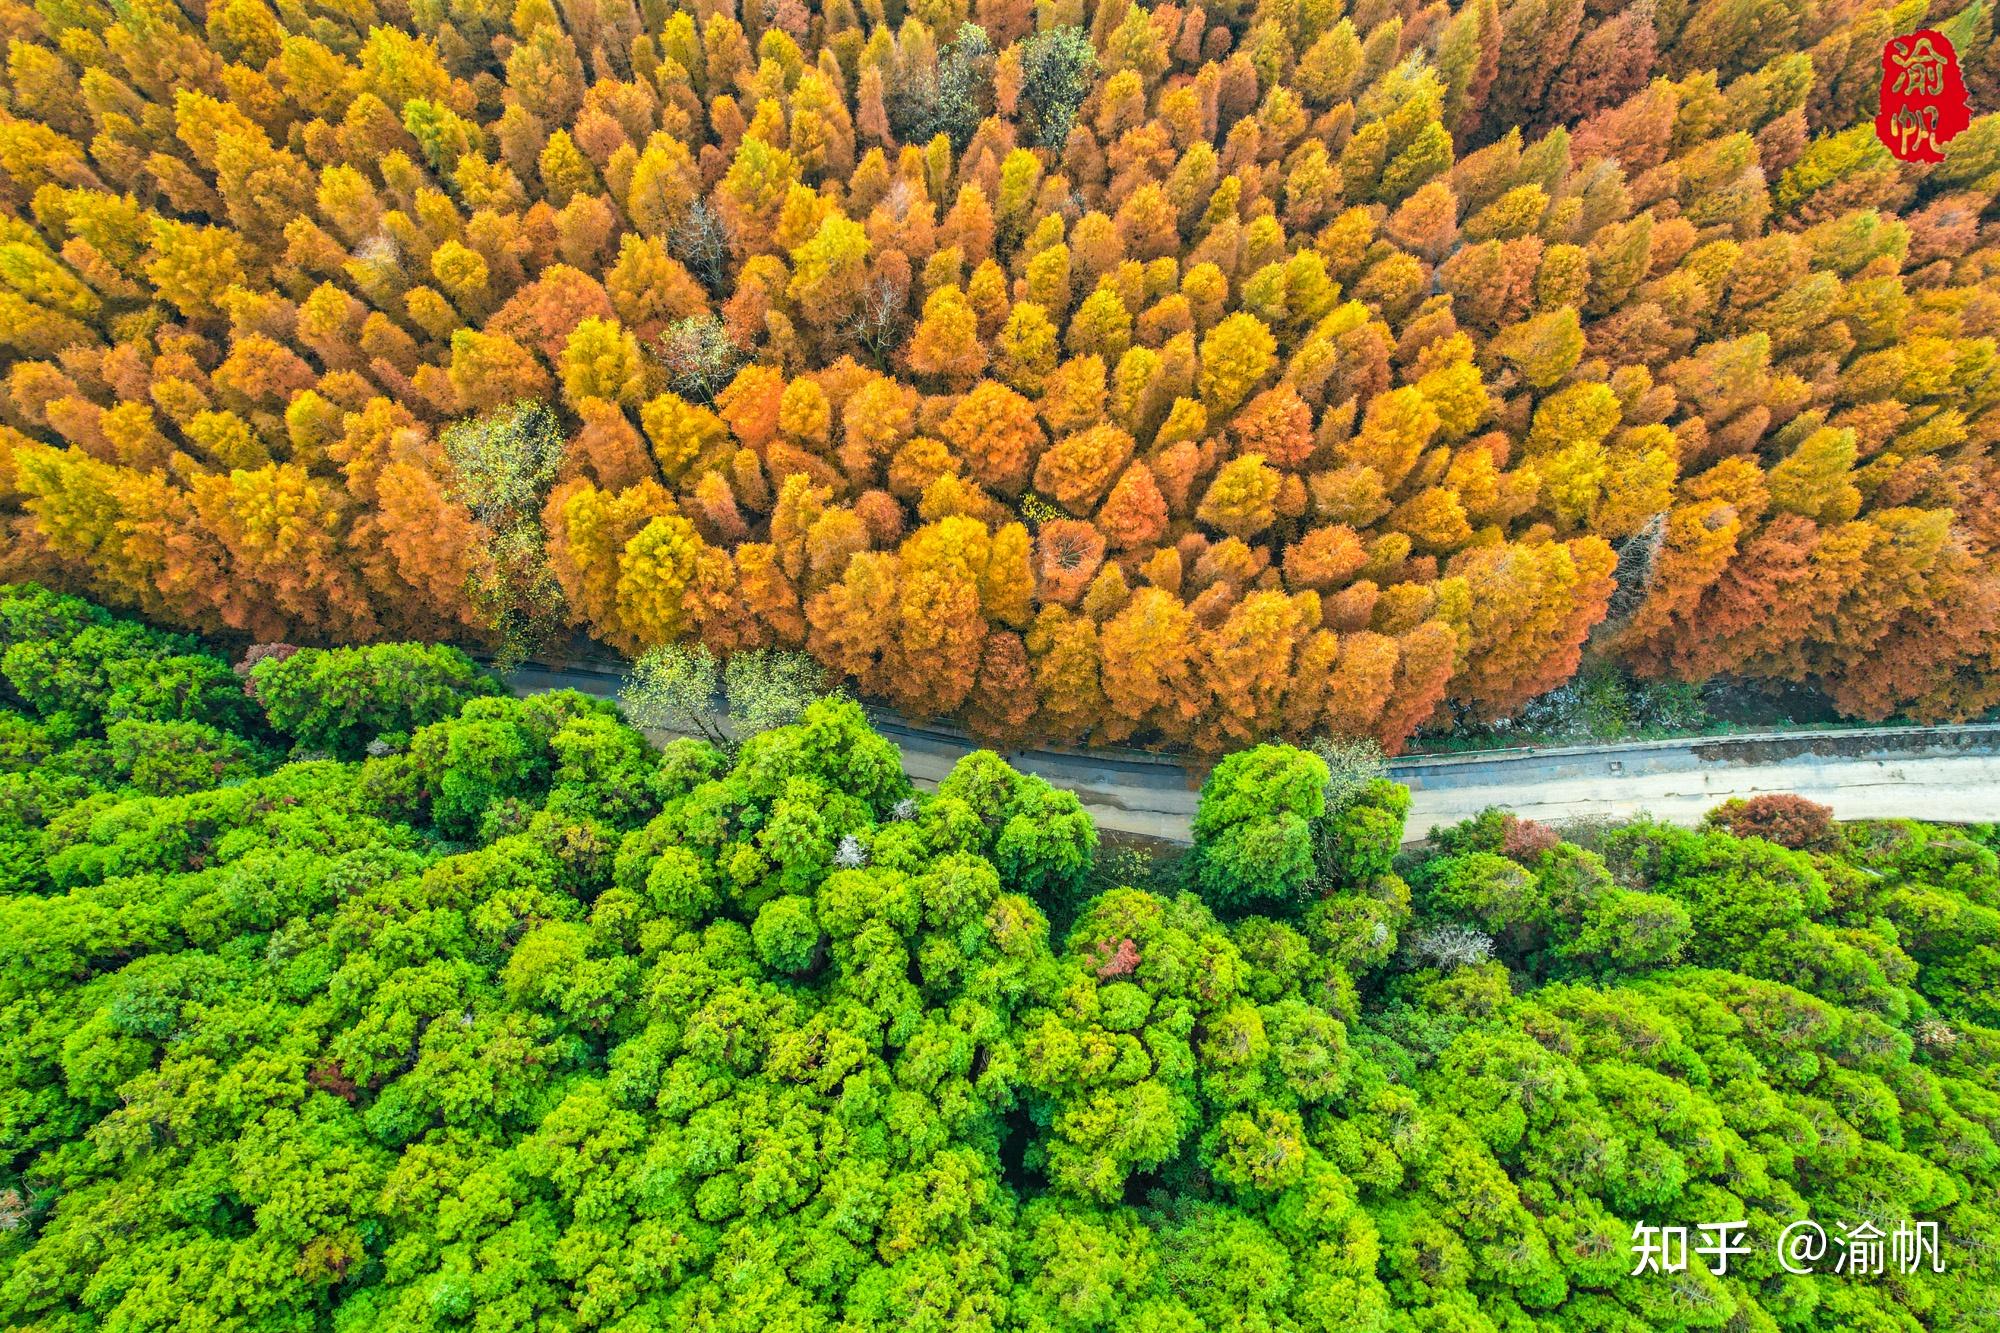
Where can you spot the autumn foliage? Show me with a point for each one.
(1081, 371)
(1780, 817)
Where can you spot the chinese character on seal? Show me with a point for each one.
(1923, 96)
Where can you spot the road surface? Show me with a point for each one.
(1950, 774)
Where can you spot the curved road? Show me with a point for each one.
(1950, 774)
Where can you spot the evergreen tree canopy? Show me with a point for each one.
(513, 1022)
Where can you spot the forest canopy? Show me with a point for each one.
(1195, 375)
(501, 1018)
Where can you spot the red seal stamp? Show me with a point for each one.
(1923, 96)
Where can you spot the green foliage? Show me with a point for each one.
(673, 688)
(1038, 836)
(769, 687)
(678, 687)
(532, 1025)
(1351, 764)
(787, 936)
(170, 758)
(340, 700)
(495, 754)
(502, 464)
(1253, 834)
(1058, 66)
(1280, 830)
(501, 467)
(949, 99)
(78, 668)
(1358, 844)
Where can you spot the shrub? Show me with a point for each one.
(1790, 821)
(1524, 840)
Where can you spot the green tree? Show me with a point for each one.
(345, 701)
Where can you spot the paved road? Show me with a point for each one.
(1950, 774)
(1940, 773)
